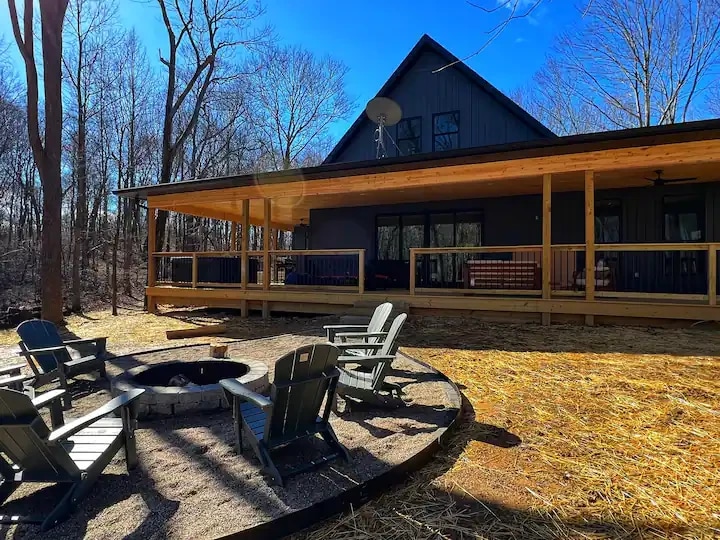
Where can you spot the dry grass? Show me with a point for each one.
(135, 329)
(615, 443)
(620, 429)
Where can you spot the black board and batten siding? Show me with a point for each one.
(483, 121)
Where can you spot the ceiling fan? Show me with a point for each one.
(660, 181)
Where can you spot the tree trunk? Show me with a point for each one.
(52, 15)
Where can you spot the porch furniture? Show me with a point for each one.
(604, 278)
(502, 274)
(292, 413)
(12, 377)
(74, 453)
(374, 326)
(367, 381)
(49, 356)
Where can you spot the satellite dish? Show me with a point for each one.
(384, 112)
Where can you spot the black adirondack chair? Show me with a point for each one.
(49, 356)
(74, 453)
(337, 332)
(366, 382)
(303, 378)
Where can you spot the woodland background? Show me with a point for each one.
(227, 98)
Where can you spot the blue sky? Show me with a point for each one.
(373, 37)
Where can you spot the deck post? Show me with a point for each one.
(244, 246)
(712, 274)
(546, 244)
(361, 271)
(151, 277)
(194, 270)
(589, 242)
(267, 231)
(233, 235)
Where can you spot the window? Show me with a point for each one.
(409, 135)
(683, 221)
(397, 234)
(413, 234)
(388, 238)
(446, 131)
(607, 221)
(684, 218)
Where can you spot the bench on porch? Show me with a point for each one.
(502, 274)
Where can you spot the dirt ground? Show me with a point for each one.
(568, 432)
(192, 484)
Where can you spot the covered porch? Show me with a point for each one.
(674, 277)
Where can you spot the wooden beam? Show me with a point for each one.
(546, 242)
(233, 235)
(361, 271)
(267, 231)
(244, 247)
(712, 274)
(194, 270)
(209, 211)
(210, 330)
(634, 308)
(492, 170)
(151, 268)
(589, 241)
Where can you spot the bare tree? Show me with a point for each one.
(201, 34)
(642, 62)
(88, 38)
(296, 97)
(46, 150)
(554, 97)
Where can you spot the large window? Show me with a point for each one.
(446, 131)
(684, 218)
(608, 216)
(388, 238)
(397, 234)
(409, 135)
(413, 234)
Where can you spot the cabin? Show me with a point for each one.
(473, 208)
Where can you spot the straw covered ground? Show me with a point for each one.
(570, 432)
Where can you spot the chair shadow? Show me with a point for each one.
(106, 492)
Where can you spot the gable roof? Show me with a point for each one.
(427, 43)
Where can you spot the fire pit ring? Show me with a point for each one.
(187, 386)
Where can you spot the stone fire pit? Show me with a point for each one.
(180, 386)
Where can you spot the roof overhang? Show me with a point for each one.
(619, 159)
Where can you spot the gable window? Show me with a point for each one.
(446, 131)
(409, 135)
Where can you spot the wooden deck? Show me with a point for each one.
(560, 309)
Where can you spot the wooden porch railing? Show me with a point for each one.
(247, 269)
(640, 271)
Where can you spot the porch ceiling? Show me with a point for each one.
(293, 199)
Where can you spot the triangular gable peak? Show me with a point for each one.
(485, 116)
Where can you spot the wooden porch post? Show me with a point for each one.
(244, 246)
(267, 231)
(151, 306)
(546, 244)
(233, 235)
(589, 242)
